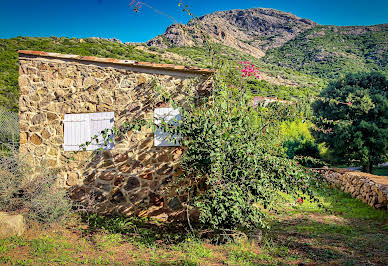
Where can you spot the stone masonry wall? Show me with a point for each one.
(129, 179)
(371, 189)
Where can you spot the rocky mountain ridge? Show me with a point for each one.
(251, 31)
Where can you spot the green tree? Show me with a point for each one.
(352, 119)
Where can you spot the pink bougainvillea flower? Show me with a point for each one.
(248, 69)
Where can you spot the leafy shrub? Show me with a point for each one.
(234, 160)
(310, 162)
(298, 143)
(38, 198)
(301, 147)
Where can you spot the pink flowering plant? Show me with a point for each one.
(248, 69)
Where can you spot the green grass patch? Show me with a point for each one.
(383, 171)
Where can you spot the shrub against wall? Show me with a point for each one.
(9, 129)
(38, 198)
(234, 160)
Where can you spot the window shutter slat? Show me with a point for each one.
(80, 128)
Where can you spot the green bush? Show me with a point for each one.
(298, 142)
(234, 159)
(38, 198)
(301, 147)
(309, 161)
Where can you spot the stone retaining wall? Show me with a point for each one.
(131, 178)
(371, 189)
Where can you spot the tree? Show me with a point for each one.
(352, 119)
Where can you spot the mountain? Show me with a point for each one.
(252, 31)
(285, 40)
(296, 56)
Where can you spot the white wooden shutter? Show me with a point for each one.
(171, 116)
(98, 123)
(76, 131)
(81, 128)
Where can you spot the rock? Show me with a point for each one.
(11, 225)
(35, 139)
(72, 179)
(132, 183)
(51, 116)
(256, 236)
(23, 137)
(175, 204)
(38, 119)
(45, 134)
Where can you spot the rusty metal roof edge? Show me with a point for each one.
(120, 62)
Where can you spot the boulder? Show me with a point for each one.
(11, 225)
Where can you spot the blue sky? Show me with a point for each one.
(113, 18)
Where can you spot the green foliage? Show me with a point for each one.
(329, 51)
(352, 119)
(298, 140)
(114, 224)
(308, 161)
(233, 157)
(225, 56)
(264, 88)
(87, 47)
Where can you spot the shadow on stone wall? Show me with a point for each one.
(135, 178)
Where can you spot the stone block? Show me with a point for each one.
(146, 175)
(72, 179)
(175, 204)
(89, 82)
(36, 139)
(23, 137)
(38, 119)
(107, 175)
(45, 134)
(120, 157)
(11, 225)
(132, 183)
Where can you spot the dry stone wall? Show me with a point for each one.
(133, 177)
(371, 189)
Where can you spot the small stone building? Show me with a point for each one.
(67, 99)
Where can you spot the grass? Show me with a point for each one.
(349, 233)
(381, 171)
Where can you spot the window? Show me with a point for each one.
(81, 128)
(171, 116)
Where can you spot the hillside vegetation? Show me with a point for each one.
(296, 56)
(279, 81)
(328, 51)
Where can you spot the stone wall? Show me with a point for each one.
(371, 189)
(129, 179)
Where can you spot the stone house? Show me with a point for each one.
(67, 99)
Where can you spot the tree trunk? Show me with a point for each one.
(368, 167)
